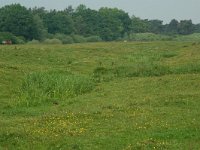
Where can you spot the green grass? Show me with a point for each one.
(149, 37)
(134, 95)
(44, 87)
(195, 37)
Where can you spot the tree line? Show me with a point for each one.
(107, 24)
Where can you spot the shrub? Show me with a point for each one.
(67, 40)
(52, 41)
(21, 40)
(49, 36)
(78, 39)
(102, 74)
(64, 38)
(93, 39)
(41, 87)
(33, 42)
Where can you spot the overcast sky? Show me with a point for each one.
(146, 9)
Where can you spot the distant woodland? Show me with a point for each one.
(82, 24)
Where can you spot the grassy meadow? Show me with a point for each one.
(109, 95)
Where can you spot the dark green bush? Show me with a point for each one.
(64, 38)
(78, 38)
(67, 40)
(52, 41)
(33, 42)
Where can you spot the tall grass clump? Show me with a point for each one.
(102, 74)
(186, 68)
(141, 70)
(44, 87)
(137, 70)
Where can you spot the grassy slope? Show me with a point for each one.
(137, 111)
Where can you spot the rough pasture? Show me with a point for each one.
(133, 95)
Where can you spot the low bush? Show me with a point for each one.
(33, 42)
(21, 40)
(52, 41)
(64, 38)
(93, 39)
(78, 39)
(67, 40)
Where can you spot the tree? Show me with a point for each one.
(86, 21)
(69, 10)
(138, 25)
(172, 27)
(18, 20)
(156, 26)
(41, 12)
(185, 27)
(59, 22)
(80, 25)
(197, 28)
(107, 23)
(40, 30)
(114, 23)
(125, 20)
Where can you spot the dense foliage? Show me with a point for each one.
(104, 24)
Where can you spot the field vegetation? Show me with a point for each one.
(82, 24)
(105, 95)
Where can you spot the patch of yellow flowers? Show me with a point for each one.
(55, 126)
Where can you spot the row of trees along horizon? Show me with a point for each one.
(107, 24)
